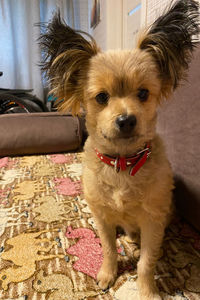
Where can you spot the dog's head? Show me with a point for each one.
(120, 90)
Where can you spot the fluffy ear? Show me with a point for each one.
(66, 54)
(170, 41)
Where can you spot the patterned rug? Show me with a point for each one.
(49, 245)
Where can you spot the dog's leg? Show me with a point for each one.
(108, 270)
(152, 233)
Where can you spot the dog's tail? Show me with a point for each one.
(170, 40)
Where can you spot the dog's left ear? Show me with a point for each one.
(170, 41)
(66, 54)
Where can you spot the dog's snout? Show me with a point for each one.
(126, 123)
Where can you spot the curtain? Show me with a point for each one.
(19, 50)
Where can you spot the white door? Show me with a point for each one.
(131, 22)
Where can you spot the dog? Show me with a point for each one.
(127, 178)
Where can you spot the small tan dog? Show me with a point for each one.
(127, 177)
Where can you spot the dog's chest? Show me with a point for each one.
(124, 201)
(123, 194)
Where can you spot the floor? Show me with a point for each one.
(49, 245)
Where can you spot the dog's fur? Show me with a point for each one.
(78, 72)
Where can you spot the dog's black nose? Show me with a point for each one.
(126, 123)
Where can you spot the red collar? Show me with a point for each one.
(135, 161)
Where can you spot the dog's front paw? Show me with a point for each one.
(157, 297)
(148, 290)
(106, 278)
(150, 296)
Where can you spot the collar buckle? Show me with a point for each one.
(144, 150)
(117, 168)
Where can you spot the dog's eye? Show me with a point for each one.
(102, 98)
(143, 94)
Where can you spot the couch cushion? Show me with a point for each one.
(39, 133)
(179, 125)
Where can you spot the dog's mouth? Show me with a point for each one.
(121, 137)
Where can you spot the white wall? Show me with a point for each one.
(100, 32)
(131, 22)
(108, 33)
(117, 30)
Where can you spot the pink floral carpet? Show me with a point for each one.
(49, 245)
